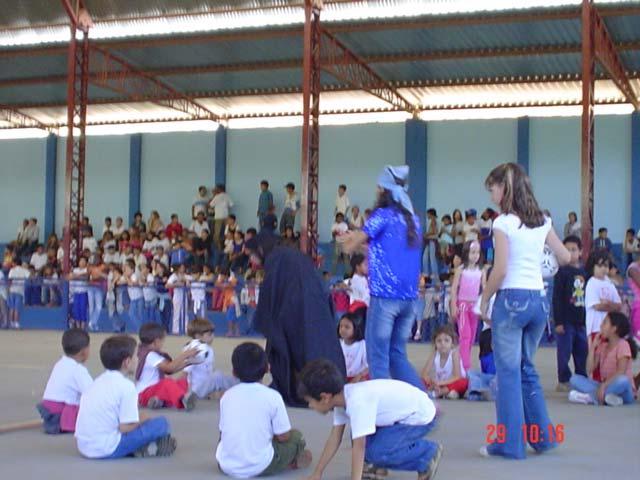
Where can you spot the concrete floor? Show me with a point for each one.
(597, 440)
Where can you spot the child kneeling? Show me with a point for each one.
(109, 424)
(69, 379)
(154, 389)
(388, 419)
(256, 438)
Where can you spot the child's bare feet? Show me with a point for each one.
(189, 401)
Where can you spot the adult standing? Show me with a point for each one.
(291, 203)
(572, 227)
(265, 202)
(294, 313)
(221, 204)
(520, 310)
(395, 240)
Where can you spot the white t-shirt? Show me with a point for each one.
(79, 285)
(111, 258)
(381, 403)
(342, 204)
(596, 291)
(67, 382)
(200, 373)
(200, 205)
(355, 357)
(89, 243)
(38, 260)
(134, 291)
(470, 232)
(117, 231)
(197, 227)
(524, 265)
(149, 290)
(339, 229)
(221, 203)
(178, 291)
(291, 202)
(250, 415)
(150, 374)
(108, 402)
(18, 275)
(359, 289)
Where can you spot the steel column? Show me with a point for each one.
(310, 128)
(78, 70)
(50, 164)
(523, 143)
(220, 153)
(588, 133)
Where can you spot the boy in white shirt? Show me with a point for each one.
(179, 281)
(149, 294)
(78, 287)
(154, 389)
(342, 201)
(39, 258)
(119, 228)
(359, 285)
(388, 420)
(111, 256)
(69, 379)
(601, 295)
(17, 277)
(134, 290)
(109, 424)
(203, 378)
(262, 443)
(338, 229)
(470, 228)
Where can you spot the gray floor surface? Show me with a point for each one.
(598, 440)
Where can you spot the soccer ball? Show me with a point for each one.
(202, 354)
(549, 264)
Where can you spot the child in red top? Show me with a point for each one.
(612, 352)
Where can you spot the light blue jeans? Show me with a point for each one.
(136, 315)
(518, 321)
(482, 382)
(96, 301)
(401, 447)
(620, 386)
(389, 323)
(430, 262)
(149, 431)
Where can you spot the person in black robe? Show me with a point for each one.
(295, 314)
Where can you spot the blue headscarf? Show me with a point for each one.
(396, 180)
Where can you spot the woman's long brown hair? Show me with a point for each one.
(518, 195)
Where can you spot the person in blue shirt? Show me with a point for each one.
(602, 242)
(394, 241)
(265, 202)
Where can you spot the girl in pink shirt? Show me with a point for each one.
(612, 352)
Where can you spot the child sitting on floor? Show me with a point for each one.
(443, 373)
(154, 389)
(388, 419)
(255, 433)
(109, 424)
(69, 379)
(203, 378)
(351, 333)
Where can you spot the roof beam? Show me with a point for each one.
(419, 23)
(296, 63)
(19, 119)
(606, 52)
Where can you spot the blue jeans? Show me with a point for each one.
(430, 262)
(147, 432)
(136, 314)
(482, 382)
(518, 321)
(572, 342)
(388, 328)
(96, 301)
(401, 447)
(620, 386)
(151, 311)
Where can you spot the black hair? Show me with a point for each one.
(597, 257)
(447, 329)
(265, 183)
(343, 186)
(620, 322)
(150, 332)
(573, 239)
(231, 215)
(432, 211)
(291, 185)
(137, 214)
(466, 250)
(107, 218)
(358, 325)
(356, 260)
(602, 229)
(249, 361)
(631, 231)
(115, 350)
(74, 341)
(339, 214)
(385, 199)
(130, 263)
(252, 231)
(318, 377)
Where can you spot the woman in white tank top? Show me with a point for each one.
(520, 311)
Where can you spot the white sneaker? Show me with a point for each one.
(453, 395)
(613, 400)
(579, 397)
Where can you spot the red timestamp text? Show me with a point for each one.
(534, 433)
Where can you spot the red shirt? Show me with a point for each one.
(173, 230)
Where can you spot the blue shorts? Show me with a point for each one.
(231, 315)
(15, 302)
(80, 307)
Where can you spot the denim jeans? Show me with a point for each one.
(136, 315)
(620, 386)
(482, 382)
(401, 447)
(430, 262)
(518, 321)
(388, 328)
(144, 434)
(572, 342)
(96, 301)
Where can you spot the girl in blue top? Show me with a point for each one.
(394, 240)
